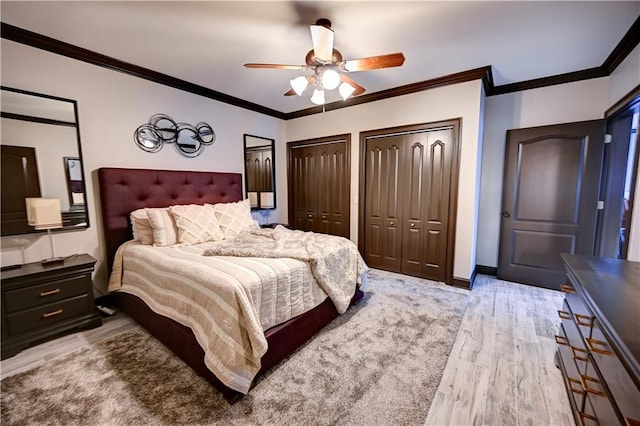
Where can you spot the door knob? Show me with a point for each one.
(391, 223)
(413, 224)
(506, 214)
(310, 215)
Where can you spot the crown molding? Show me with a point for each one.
(619, 53)
(20, 35)
(483, 73)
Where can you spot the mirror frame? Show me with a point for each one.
(251, 141)
(78, 212)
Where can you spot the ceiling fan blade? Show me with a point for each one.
(278, 66)
(374, 62)
(322, 38)
(359, 89)
(291, 92)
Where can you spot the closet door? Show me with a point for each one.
(304, 198)
(319, 185)
(331, 161)
(426, 201)
(384, 202)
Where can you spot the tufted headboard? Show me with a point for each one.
(125, 190)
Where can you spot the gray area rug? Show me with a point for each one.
(379, 364)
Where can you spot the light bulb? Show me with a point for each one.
(318, 97)
(298, 84)
(346, 90)
(330, 79)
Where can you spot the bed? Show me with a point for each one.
(123, 191)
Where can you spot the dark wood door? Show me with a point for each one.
(303, 198)
(19, 181)
(408, 181)
(319, 182)
(427, 184)
(549, 200)
(384, 202)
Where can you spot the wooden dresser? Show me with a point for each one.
(599, 340)
(41, 302)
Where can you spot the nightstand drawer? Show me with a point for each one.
(30, 297)
(48, 314)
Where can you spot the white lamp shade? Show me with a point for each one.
(44, 213)
(330, 79)
(266, 200)
(346, 90)
(318, 97)
(298, 84)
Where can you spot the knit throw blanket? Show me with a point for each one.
(335, 261)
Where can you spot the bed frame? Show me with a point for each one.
(125, 190)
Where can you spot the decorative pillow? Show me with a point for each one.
(165, 231)
(141, 226)
(196, 223)
(234, 218)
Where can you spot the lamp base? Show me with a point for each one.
(53, 261)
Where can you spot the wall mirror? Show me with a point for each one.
(41, 157)
(259, 172)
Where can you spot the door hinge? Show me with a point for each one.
(608, 138)
(600, 205)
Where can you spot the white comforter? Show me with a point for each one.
(228, 302)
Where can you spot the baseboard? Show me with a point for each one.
(487, 270)
(464, 282)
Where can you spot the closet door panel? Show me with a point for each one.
(437, 185)
(304, 188)
(412, 235)
(384, 158)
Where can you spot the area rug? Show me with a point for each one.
(379, 364)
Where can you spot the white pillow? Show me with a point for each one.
(165, 231)
(196, 223)
(141, 226)
(234, 218)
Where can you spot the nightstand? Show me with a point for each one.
(40, 302)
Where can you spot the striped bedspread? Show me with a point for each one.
(228, 302)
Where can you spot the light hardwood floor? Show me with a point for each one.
(500, 370)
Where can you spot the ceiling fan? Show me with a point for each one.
(327, 68)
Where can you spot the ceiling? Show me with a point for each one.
(207, 42)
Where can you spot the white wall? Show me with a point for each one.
(623, 80)
(457, 101)
(565, 103)
(111, 105)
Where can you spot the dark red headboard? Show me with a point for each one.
(125, 190)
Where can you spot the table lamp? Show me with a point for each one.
(45, 213)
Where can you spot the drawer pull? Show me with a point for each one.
(584, 417)
(576, 356)
(585, 384)
(564, 315)
(52, 313)
(561, 340)
(577, 389)
(584, 320)
(50, 292)
(592, 343)
(567, 288)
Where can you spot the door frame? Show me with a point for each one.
(455, 124)
(346, 138)
(623, 106)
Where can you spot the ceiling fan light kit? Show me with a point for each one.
(318, 97)
(329, 70)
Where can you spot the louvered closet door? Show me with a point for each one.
(384, 202)
(426, 202)
(332, 189)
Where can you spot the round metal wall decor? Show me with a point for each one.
(187, 139)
